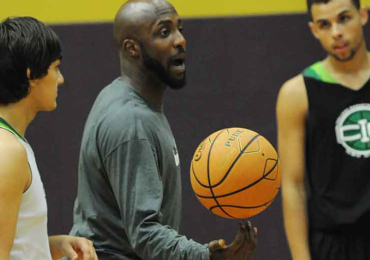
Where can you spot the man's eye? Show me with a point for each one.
(324, 25)
(165, 32)
(344, 18)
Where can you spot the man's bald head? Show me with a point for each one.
(148, 35)
(135, 16)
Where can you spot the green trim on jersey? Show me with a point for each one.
(8, 127)
(319, 72)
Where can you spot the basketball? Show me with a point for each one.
(235, 173)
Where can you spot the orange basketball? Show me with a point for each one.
(235, 173)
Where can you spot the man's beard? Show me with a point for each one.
(351, 55)
(158, 69)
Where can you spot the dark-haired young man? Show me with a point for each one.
(129, 191)
(324, 137)
(30, 55)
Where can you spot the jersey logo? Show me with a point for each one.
(353, 130)
(176, 155)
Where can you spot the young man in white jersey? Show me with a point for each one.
(30, 54)
(323, 123)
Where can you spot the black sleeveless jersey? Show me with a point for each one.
(337, 152)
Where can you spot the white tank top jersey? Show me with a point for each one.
(31, 240)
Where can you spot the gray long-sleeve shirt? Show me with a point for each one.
(129, 191)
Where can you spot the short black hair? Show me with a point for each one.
(311, 2)
(25, 43)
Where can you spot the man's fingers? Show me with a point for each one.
(239, 239)
(86, 250)
(251, 232)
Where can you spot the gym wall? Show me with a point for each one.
(239, 55)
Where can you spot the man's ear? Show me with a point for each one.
(131, 48)
(32, 82)
(364, 15)
(313, 29)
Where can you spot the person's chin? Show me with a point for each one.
(344, 58)
(177, 83)
(51, 107)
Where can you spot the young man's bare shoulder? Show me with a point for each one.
(293, 87)
(293, 97)
(14, 167)
(12, 152)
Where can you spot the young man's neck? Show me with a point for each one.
(18, 115)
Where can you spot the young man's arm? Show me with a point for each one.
(14, 180)
(292, 109)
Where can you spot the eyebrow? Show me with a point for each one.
(169, 21)
(340, 14)
(343, 12)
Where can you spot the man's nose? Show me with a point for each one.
(180, 40)
(336, 31)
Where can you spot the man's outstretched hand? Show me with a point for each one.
(241, 248)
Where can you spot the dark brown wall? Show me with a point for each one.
(235, 69)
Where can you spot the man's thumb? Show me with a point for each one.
(216, 244)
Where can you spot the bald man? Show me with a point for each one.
(129, 192)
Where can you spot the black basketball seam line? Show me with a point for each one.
(269, 159)
(240, 149)
(205, 186)
(244, 188)
(236, 159)
(192, 167)
(242, 207)
(238, 207)
(209, 177)
(232, 165)
(195, 176)
(253, 207)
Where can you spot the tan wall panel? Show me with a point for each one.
(70, 11)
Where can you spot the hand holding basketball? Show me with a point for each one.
(241, 248)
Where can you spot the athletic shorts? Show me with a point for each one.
(340, 245)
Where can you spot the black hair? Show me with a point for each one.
(356, 3)
(25, 43)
